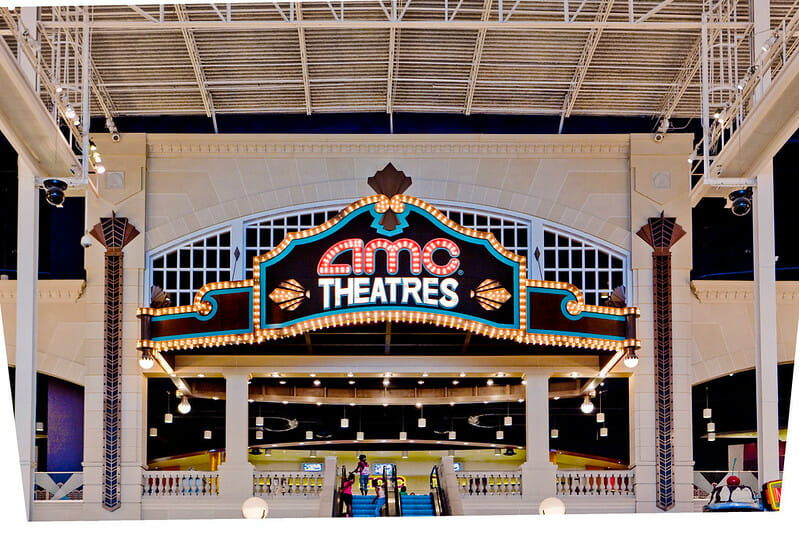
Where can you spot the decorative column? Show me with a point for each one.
(114, 234)
(538, 473)
(235, 474)
(661, 233)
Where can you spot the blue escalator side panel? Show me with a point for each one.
(417, 505)
(362, 505)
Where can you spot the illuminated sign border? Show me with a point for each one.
(572, 305)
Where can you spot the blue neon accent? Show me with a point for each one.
(409, 308)
(396, 231)
(567, 297)
(371, 209)
(208, 297)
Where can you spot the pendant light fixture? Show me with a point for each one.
(451, 435)
(359, 436)
(422, 422)
(707, 412)
(404, 454)
(259, 421)
(153, 432)
(508, 419)
(184, 407)
(498, 452)
(146, 362)
(168, 415)
(631, 359)
(603, 432)
(259, 435)
(309, 435)
(711, 437)
(553, 433)
(600, 416)
(345, 422)
(500, 434)
(403, 434)
(268, 453)
(207, 434)
(587, 406)
(711, 427)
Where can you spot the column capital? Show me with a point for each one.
(537, 372)
(230, 373)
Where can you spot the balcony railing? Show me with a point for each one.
(60, 486)
(283, 484)
(594, 483)
(184, 484)
(490, 483)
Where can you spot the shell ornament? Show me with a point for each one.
(289, 295)
(490, 295)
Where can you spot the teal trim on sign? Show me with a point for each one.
(567, 297)
(208, 297)
(383, 231)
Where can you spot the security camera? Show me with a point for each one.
(740, 202)
(85, 241)
(658, 137)
(115, 137)
(54, 191)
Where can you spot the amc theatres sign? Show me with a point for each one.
(425, 264)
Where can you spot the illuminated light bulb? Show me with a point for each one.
(603, 432)
(422, 422)
(184, 407)
(500, 434)
(153, 432)
(359, 436)
(100, 169)
(707, 412)
(587, 406)
(345, 422)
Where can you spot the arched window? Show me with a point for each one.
(553, 252)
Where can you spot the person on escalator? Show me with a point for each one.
(380, 497)
(346, 494)
(363, 470)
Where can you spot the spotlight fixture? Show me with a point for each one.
(58, 88)
(553, 433)
(351, 382)
(100, 169)
(420, 382)
(146, 361)
(282, 382)
(54, 190)
(740, 202)
(587, 406)
(463, 374)
(312, 375)
(425, 374)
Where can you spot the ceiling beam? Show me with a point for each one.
(392, 44)
(306, 82)
(654, 10)
(350, 24)
(476, 57)
(194, 56)
(591, 43)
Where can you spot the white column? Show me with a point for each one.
(538, 473)
(235, 474)
(765, 290)
(27, 308)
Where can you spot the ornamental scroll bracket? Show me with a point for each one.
(114, 233)
(661, 233)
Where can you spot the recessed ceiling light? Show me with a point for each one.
(455, 381)
(200, 375)
(418, 404)
(285, 402)
(490, 382)
(574, 374)
(215, 397)
(556, 398)
(438, 442)
(411, 441)
(385, 405)
(282, 381)
(275, 374)
(312, 375)
(524, 382)
(466, 443)
(386, 382)
(387, 374)
(463, 374)
(420, 382)
(350, 374)
(451, 404)
(318, 403)
(352, 404)
(500, 374)
(493, 445)
(485, 401)
(424, 375)
(351, 382)
(316, 382)
(250, 400)
(521, 400)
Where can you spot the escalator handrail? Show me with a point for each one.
(397, 499)
(440, 500)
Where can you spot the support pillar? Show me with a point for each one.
(235, 474)
(538, 473)
(27, 310)
(765, 291)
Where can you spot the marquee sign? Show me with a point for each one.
(389, 258)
